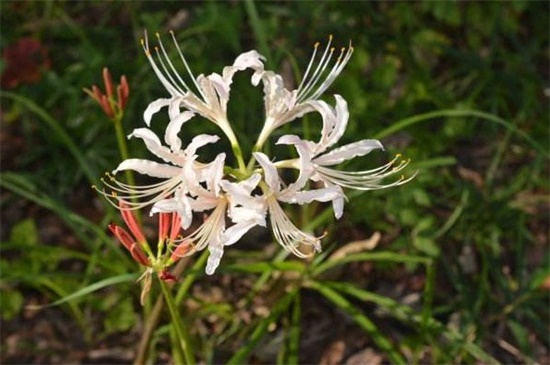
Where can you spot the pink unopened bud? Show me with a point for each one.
(130, 244)
(111, 104)
(108, 81)
(131, 221)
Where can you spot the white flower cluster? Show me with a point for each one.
(239, 198)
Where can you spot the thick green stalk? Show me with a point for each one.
(122, 146)
(181, 332)
(152, 320)
(239, 155)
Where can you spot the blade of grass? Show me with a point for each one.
(453, 218)
(77, 313)
(241, 356)
(369, 256)
(293, 342)
(407, 314)
(262, 267)
(428, 295)
(258, 29)
(19, 185)
(57, 131)
(361, 319)
(258, 285)
(89, 289)
(190, 277)
(407, 122)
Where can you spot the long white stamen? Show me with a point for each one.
(311, 61)
(187, 68)
(286, 232)
(365, 180)
(213, 225)
(312, 87)
(169, 87)
(168, 74)
(336, 70)
(325, 59)
(129, 193)
(170, 63)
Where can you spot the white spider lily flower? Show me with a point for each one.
(208, 95)
(172, 193)
(314, 159)
(245, 211)
(286, 233)
(283, 106)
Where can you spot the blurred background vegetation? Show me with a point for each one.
(461, 88)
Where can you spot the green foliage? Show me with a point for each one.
(458, 87)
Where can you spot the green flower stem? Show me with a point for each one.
(181, 332)
(151, 321)
(239, 155)
(122, 146)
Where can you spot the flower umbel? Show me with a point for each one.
(136, 243)
(234, 199)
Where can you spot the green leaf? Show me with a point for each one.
(25, 233)
(121, 316)
(426, 245)
(361, 319)
(407, 314)
(446, 113)
(241, 356)
(370, 256)
(91, 288)
(12, 302)
(521, 334)
(261, 267)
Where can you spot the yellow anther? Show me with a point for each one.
(171, 32)
(331, 49)
(330, 37)
(157, 34)
(398, 156)
(142, 42)
(316, 45)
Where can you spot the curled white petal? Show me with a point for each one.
(147, 167)
(272, 178)
(153, 108)
(171, 134)
(152, 142)
(199, 141)
(213, 261)
(347, 152)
